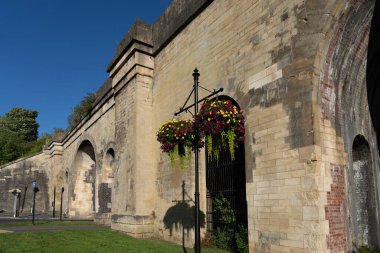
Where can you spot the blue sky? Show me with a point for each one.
(53, 52)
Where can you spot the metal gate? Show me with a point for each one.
(226, 177)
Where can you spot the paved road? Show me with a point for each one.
(27, 218)
(48, 228)
(8, 218)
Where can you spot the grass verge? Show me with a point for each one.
(97, 241)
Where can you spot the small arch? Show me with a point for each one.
(363, 217)
(109, 159)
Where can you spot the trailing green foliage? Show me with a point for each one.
(222, 238)
(230, 236)
(81, 110)
(177, 140)
(222, 123)
(222, 205)
(241, 239)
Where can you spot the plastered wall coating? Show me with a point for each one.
(296, 69)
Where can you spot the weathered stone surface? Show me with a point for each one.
(297, 69)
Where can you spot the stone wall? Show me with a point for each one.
(262, 57)
(99, 131)
(20, 175)
(297, 69)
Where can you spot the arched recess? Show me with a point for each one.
(226, 178)
(82, 188)
(105, 183)
(344, 101)
(362, 198)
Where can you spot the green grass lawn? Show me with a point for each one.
(83, 241)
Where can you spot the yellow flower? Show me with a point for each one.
(208, 119)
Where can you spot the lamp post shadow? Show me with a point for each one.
(182, 214)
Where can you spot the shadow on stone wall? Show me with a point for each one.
(182, 215)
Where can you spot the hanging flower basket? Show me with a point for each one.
(177, 138)
(222, 124)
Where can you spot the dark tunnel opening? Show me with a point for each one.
(373, 71)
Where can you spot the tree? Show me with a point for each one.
(11, 147)
(22, 122)
(18, 134)
(81, 110)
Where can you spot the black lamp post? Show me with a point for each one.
(185, 108)
(197, 222)
(35, 190)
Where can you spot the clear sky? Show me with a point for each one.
(53, 52)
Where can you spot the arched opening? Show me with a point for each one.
(226, 189)
(105, 180)
(82, 190)
(363, 212)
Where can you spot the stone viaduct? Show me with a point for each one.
(305, 73)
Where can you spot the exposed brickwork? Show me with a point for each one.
(334, 209)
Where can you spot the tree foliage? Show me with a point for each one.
(18, 134)
(81, 110)
(21, 121)
(19, 130)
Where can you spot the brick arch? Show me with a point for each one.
(342, 96)
(344, 64)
